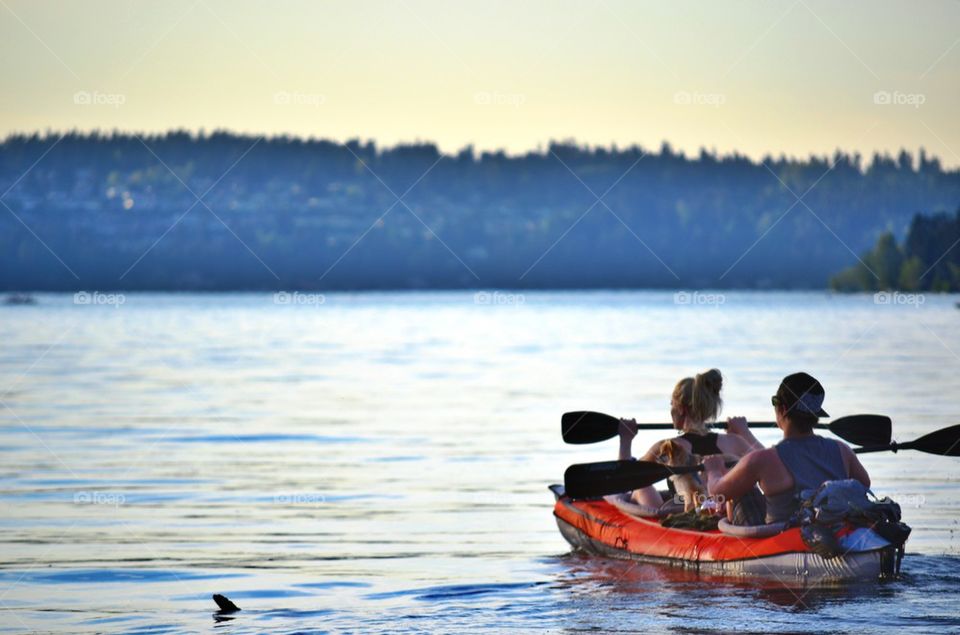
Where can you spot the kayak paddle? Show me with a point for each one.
(945, 442)
(590, 480)
(581, 427)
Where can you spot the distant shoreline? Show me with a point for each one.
(233, 212)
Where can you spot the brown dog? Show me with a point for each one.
(688, 486)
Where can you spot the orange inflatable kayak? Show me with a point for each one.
(601, 528)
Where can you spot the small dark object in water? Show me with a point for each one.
(19, 299)
(226, 606)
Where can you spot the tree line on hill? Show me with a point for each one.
(928, 259)
(223, 211)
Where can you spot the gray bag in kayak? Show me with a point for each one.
(846, 501)
(834, 501)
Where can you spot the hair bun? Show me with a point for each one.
(701, 396)
(712, 380)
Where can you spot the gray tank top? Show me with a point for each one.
(811, 461)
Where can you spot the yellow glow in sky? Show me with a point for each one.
(795, 77)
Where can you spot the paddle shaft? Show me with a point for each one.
(692, 469)
(581, 427)
(609, 477)
(718, 424)
(893, 447)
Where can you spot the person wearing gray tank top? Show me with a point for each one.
(811, 460)
(802, 460)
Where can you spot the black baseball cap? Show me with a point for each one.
(801, 392)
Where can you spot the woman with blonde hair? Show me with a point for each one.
(694, 405)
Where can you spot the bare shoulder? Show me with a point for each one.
(845, 450)
(847, 454)
(759, 457)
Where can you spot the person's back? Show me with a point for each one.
(811, 461)
(702, 444)
(694, 403)
(801, 461)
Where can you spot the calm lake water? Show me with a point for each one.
(379, 462)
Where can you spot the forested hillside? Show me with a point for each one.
(927, 260)
(119, 211)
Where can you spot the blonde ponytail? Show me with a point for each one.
(700, 396)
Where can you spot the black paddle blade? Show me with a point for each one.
(590, 480)
(863, 429)
(945, 442)
(583, 426)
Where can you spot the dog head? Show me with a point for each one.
(673, 453)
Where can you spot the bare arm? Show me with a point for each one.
(737, 427)
(855, 469)
(628, 430)
(734, 445)
(645, 495)
(731, 484)
(649, 495)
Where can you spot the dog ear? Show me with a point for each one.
(676, 452)
(665, 452)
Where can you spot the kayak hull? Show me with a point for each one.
(599, 528)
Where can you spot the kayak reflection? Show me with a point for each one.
(679, 587)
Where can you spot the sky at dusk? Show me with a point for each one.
(774, 77)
